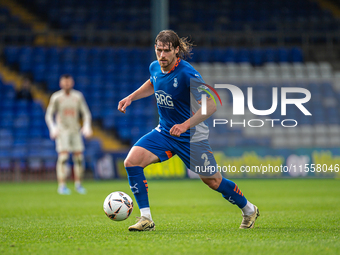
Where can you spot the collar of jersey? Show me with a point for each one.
(176, 64)
(64, 92)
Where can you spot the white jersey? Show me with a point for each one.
(67, 108)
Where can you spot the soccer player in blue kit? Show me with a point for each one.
(181, 130)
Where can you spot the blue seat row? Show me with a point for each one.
(244, 15)
(206, 15)
(255, 56)
(102, 15)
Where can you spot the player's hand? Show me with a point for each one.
(178, 129)
(86, 131)
(123, 104)
(54, 132)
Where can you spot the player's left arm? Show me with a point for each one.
(197, 118)
(87, 118)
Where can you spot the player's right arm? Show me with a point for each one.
(144, 91)
(51, 108)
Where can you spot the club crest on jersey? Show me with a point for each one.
(164, 99)
(175, 82)
(202, 88)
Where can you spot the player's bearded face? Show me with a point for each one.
(166, 55)
(66, 83)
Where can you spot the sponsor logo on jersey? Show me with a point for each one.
(164, 99)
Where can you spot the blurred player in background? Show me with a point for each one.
(181, 130)
(68, 104)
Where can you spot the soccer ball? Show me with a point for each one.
(118, 206)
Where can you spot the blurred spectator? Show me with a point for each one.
(25, 90)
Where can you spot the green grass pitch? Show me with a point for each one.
(300, 216)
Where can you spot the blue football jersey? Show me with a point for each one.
(178, 96)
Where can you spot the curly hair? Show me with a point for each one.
(170, 37)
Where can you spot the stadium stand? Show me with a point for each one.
(107, 74)
(102, 14)
(12, 29)
(205, 21)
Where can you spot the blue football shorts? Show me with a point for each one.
(197, 156)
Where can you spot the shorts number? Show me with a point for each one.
(206, 161)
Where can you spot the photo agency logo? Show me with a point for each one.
(238, 105)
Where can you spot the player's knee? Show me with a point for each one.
(129, 163)
(62, 158)
(134, 160)
(78, 159)
(212, 183)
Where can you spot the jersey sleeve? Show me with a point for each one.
(197, 86)
(151, 73)
(84, 109)
(51, 109)
(151, 80)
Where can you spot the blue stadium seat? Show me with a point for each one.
(256, 58)
(242, 56)
(269, 55)
(11, 54)
(283, 55)
(296, 55)
(5, 160)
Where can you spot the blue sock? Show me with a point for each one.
(232, 193)
(138, 185)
